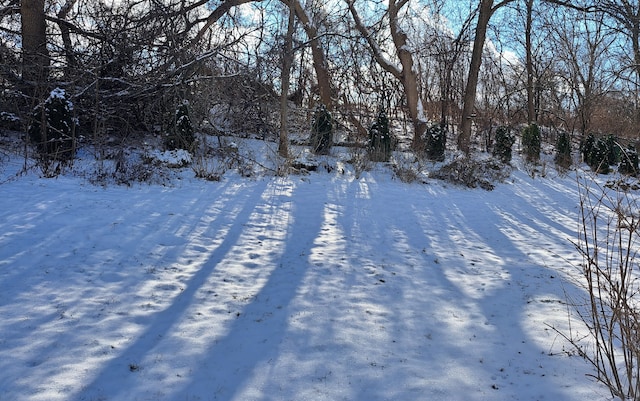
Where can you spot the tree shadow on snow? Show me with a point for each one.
(116, 379)
(254, 338)
(465, 286)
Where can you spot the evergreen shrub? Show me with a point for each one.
(380, 139)
(598, 159)
(183, 136)
(563, 150)
(435, 142)
(503, 143)
(52, 129)
(531, 142)
(586, 148)
(629, 161)
(613, 150)
(9, 121)
(321, 131)
(600, 153)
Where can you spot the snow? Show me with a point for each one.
(422, 117)
(60, 95)
(177, 157)
(322, 287)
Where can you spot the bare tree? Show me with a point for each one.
(131, 60)
(626, 17)
(440, 52)
(583, 41)
(486, 9)
(65, 33)
(627, 14)
(405, 72)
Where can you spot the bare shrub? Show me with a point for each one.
(208, 168)
(359, 159)
(240, 104)
(122, 166)
(609, 240)
(473, 173)
(212, 162)
(408, 170)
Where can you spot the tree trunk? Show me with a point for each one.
(635, 39)
(35, 57)
(445, 94)
(65, 32)
(531, 108)
(409, 76)
(319, 60)
(486, 11)
(283, 145)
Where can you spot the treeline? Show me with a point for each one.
(126, 66)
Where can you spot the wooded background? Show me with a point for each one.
(571, 66)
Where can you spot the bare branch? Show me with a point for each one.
(501, 4)
(375, 48)
(218, 13)
(569, 4)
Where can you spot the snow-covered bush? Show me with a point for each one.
(503, 143)
(9, 121)
(183, 136)
(176, 158)
(53, 128)
(473, 173)
(563, 150)
(129, 166)
(629, 161)
(360, 160)
(531, 142)
(321, 131)
(380, 139)
(211, 164)
(435, 142)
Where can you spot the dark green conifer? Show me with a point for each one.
(435, 142)
(183, 136)
(531, 142)
(599, 157)
(563, 150)
(380, 139)
(629, 161)
(586, 148)
(321, 131)
(613, 150)
(53, 128)
(503, 143)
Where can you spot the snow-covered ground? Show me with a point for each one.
(318, 287)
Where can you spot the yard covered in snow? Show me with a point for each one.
(315, 287)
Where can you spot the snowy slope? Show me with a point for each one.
(316, 288)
